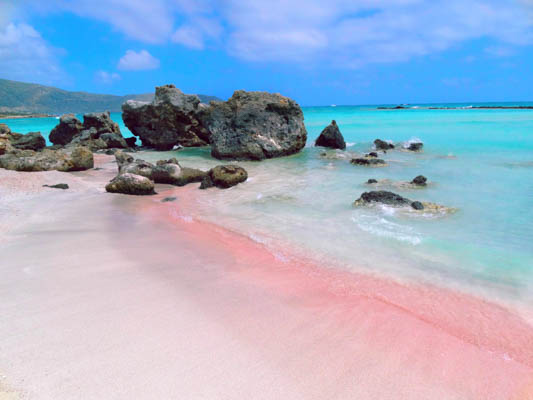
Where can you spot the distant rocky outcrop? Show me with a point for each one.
(254, 126)
(224, 176)
(368, 161)
(97, 132)
(331, 137)
(131, 184)
(170, 119)
(383, 145)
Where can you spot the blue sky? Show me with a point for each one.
(318, 52)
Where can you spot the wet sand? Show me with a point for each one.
(121, 297)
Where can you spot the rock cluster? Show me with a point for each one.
(331, 137)
(171, 119)
(97, 132)
(224, 176)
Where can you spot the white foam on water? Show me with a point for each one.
(381, 226)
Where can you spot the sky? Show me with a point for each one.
(315, 51)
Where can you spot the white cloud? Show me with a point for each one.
(26, 56)
(134, 61)
(195, 33)
(107, 77)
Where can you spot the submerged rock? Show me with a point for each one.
(372, 162)
(224, 176)
(131, 184)
(255, 126)
(170, 119)
(383, 197)
(68, 127)
(63, 186)
(420, 180)
(331, 137)
(30, 141)
(382, 145)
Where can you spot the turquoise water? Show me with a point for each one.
(477, 161)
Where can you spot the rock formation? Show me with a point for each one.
(68, 127)
(170, 119)
(254, 126)
(224, 176)
(331, 137)
(131, 184)
(382, 145)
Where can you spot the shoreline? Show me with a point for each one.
(22, 116)
(223, 315)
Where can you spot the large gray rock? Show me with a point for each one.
(68, 127)
(130, 184)
(170, 119)
(30, 141)
(255, 126)
(331, 137)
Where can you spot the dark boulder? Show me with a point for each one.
(371, 181)
(58, 186)
(420, 180)
(383, 197)
(417, 205)
(416, 146)
(224, 176)
(382, 145)
(131, 141)
(372, 162)
(170, 119)
(168, 199)
(331, 137)
(101, 122)
(131, 184)
(114, 140)
(255, 126)
(68, 127)
(372, 154)
(30, 141)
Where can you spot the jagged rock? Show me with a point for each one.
(130, 184)
(45, 160)
(30, 141)
(63, 186)
(254, 126)
(102, 122)
(371, 181)
(417, 205)
(331, 137)
(383, 197)
(420, 180)
(113, 140)
(170, 119)
(373, 162)
(382, 145)
(68, 127)
(224, 176)
(82, 158)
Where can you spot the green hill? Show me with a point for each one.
(30, 98)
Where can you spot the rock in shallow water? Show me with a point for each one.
(224, 176)
(170, 119)
(372, 162)
(420, 180)
(131, 184)
(417, 205)
(255, 126)
(331, 137)
(382, 145)
(383, 197)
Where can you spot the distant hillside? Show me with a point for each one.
(29, 98)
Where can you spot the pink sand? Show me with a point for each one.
(119, 298)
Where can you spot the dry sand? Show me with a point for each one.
(118, 297)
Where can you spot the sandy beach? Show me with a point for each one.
(120, 297)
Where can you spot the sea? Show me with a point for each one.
(479, 165)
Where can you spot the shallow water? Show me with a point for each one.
(477, 161)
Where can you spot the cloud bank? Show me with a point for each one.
(137, 61)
